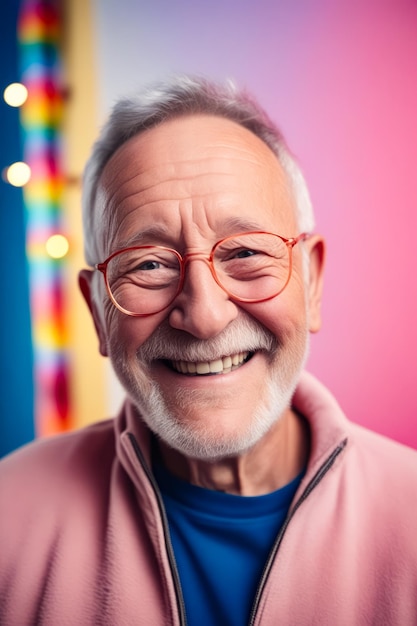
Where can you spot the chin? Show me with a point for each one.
(199, 439)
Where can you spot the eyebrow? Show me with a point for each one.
(151, 234)
(162, 234)
(239, 225)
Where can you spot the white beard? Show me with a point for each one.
(169, 421)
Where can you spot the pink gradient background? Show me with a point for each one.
(340, 79)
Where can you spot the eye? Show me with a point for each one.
(144, 266)
(243, 254)
(149, 265)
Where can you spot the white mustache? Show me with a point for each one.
(243, 334)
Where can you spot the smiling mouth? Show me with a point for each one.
(208, 368)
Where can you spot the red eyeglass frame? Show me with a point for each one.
(290, 242)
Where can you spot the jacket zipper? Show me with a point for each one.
(321, 472)
(170, 550)
(311, 485)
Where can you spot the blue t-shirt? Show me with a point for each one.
(221, 543)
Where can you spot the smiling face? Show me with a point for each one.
(210, 375)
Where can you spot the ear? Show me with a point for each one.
(85, 278)
(317, 251)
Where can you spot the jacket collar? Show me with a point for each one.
(327, 423)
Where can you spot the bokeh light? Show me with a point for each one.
(15, 94)
(57, 246)
(18, 174)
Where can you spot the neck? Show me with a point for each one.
(272, 463)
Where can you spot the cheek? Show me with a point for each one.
(126, 334)
(284, 316)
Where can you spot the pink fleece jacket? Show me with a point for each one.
(83, 536)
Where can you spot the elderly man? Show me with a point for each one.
(231, 489)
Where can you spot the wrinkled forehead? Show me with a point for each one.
(204, 156)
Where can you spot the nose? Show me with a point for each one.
(202, 308)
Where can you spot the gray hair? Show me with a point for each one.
(183, 96)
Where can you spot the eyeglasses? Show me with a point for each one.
(249, 267)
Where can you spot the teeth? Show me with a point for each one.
(216, 366)
(203, 368)
(219, 366)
